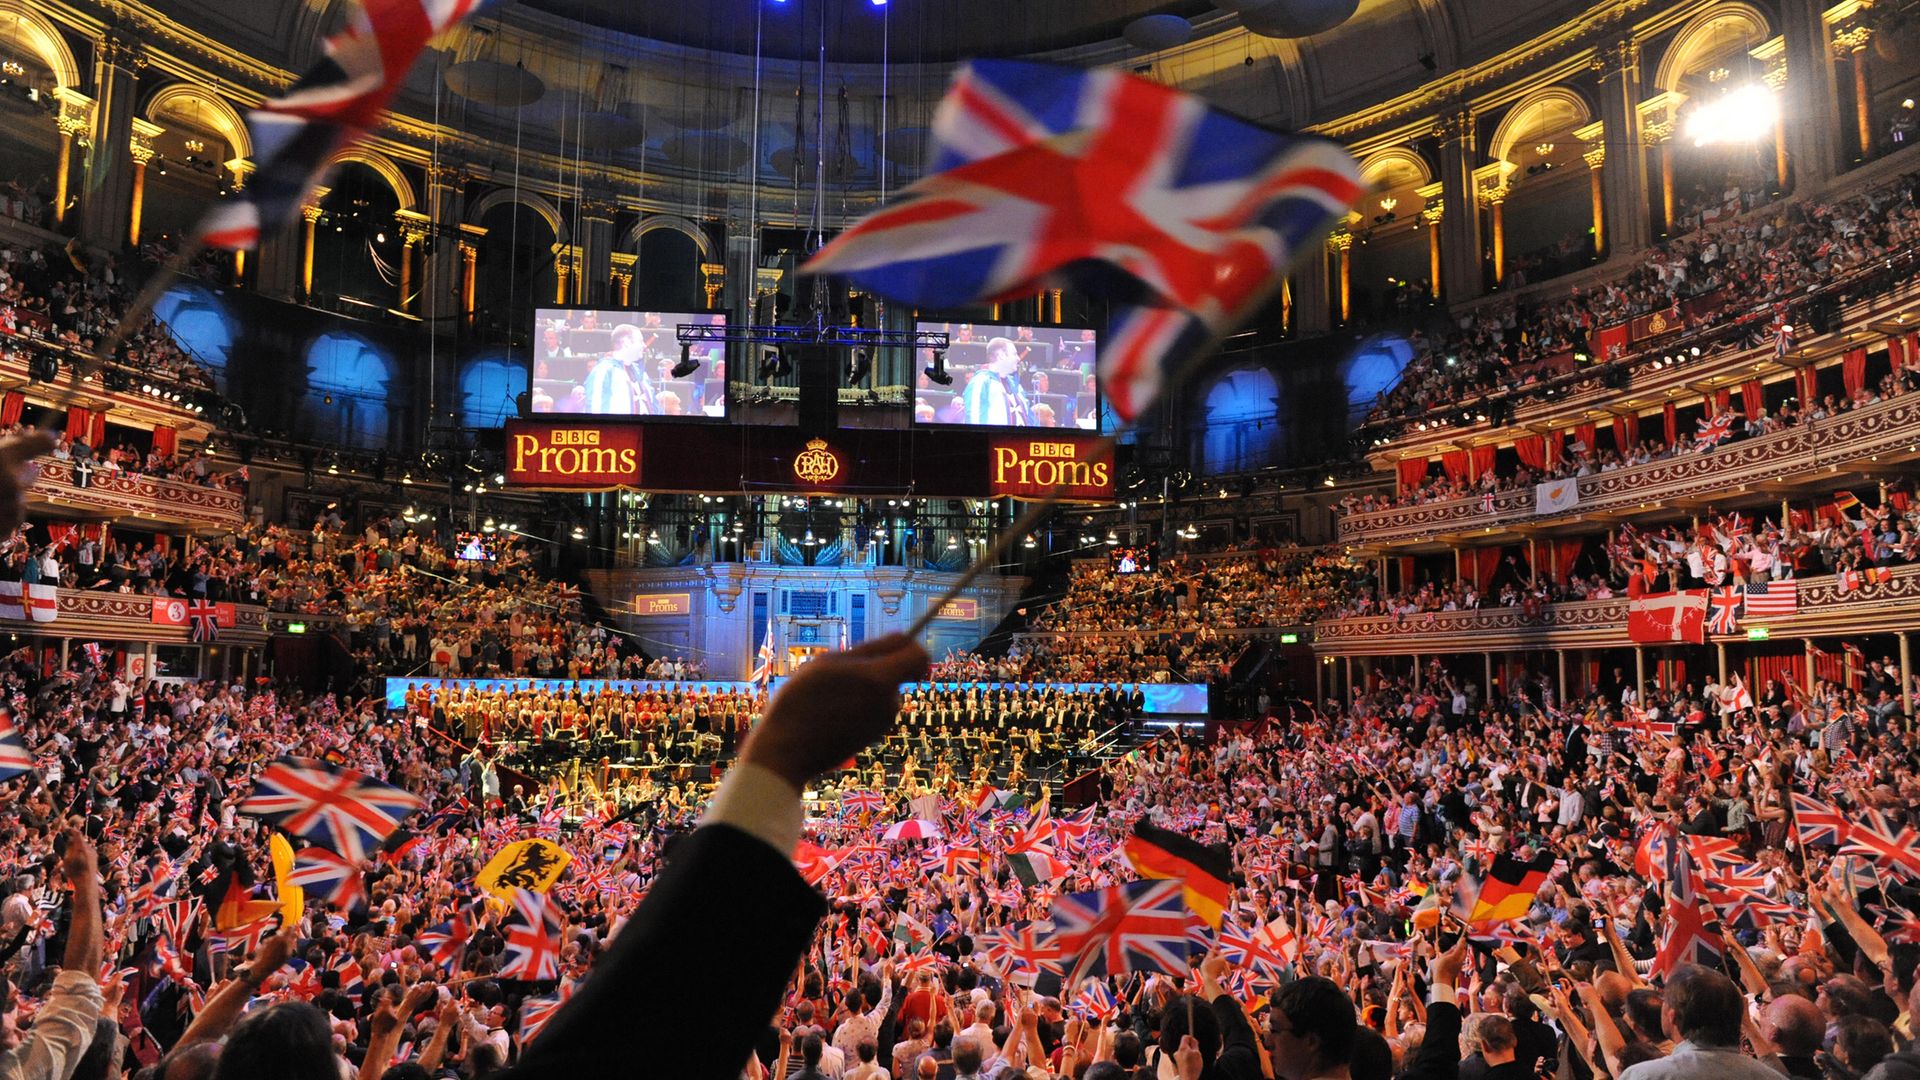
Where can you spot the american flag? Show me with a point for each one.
(1773, 598)
(1193, 214)
(206, 620)
(1138, 926)
(15, 760)
(336, 102)
(346, 812)
(533, 931)
(329, 878)
(1724, 614)
(1817, 822)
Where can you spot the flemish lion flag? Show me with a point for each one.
(533, 865)
(1204, 870)
(1509, 889)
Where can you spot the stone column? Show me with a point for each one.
(1596, 159)
(309, 224)
(469, 275)
(597, 260)
(1624, 181)
(106, 198)
(1460, 222)
(140, 150)
(75, 121)
(443, 278)
(1851, 44)
(1659, 138)
(1813, 144)
(411, 236)
(1496, 200)
(1341, 245)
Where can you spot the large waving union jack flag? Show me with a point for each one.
(346, 812)
(1137, 191)
(1817, 822)
(444, 943)
(1138, 926)
(15, 759)
(533, 932)
(326, 877)
(535, 1012)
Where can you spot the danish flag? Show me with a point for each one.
(346, 812)
(1193, 213)
(533, 932)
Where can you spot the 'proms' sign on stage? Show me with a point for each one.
(1032, 468)
(557, 455)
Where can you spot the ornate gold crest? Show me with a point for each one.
(816, 464)
(1658, 325)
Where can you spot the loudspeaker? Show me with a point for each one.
(819, 375)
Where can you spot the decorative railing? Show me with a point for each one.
(133, 494)
(1890, 425)
(116, 616)
(1825, 607)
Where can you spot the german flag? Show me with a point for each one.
(1157, 853)
(1509, 889)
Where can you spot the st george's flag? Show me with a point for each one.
(1204, 871)
(334, 104)
(1186, 216)
(1508, 890)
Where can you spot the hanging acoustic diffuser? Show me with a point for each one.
(1153, 33)
(496, 83)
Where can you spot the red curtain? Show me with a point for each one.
(1483, 460)
(1753, 398)
(1413, 473)
(1455, 464)
(1788, 669)
(1854, 370)
(1532, 451)
(97, 430)
(1564, 553)
(1809, 386)
(1406, 573)
(11, 406)
(77, 421)
(1671, 414)
(1556, 447)
(165, 441)
(1584, 434)
(1896, 353)
(1482, 564)
(1719, 400)
(1626, 432)
(57, 531)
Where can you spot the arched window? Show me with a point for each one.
(1242, 421)
(198, 320)
(1372, 370)
(489, 385)
(346, 401)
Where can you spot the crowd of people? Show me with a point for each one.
(1772, 256)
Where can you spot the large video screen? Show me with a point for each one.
(620, 363)
(1010, 377)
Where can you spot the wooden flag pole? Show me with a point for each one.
(1002, 544)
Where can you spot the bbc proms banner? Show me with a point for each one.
(1162, 699)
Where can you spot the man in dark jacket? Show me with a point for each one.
(1439, 1055)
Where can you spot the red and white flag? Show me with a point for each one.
(1654, 618)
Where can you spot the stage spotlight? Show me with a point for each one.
(774, 363)
(859, 368)
(687, 365)
(653, 536)
(579, 533)
(937, 371)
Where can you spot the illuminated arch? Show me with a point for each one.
(186, 103)
(1713, 33)
(1551, 110)
(1395, 167)
(380, 163)
(647, 224)
(537, 203)
(32, 31)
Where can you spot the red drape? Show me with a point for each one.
(1584, 434)
(1413, 473)
(1853, 370)
(11, 406)
(1556, 447)
(165, 441)
(1912, 350)
(57, 532)
(1809, 386)
(1789, 670)
(1719, 400)
(1406, 572)
(97, 429)
(1481, 564)
(1483, 460)
(1671, 415)
(77, 421)
(1532, 451)
(1896, 353)
(1455, 464)
(1753, 398)
(1564, 554)
(1626, 432)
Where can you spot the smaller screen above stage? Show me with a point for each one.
(1010, 377)
(620, 363)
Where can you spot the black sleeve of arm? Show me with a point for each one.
(1239, 1054)
(1439, 1056)
(695, 977)
(13, 946)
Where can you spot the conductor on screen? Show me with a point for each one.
(618, 384)
(994, 395)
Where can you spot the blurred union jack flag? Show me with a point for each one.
(15, 759)
(536, 1011)
(533, 932)
(1138, 192)
(346, 812)
(1138, 926)
(1817, 822)
(329, 878)
(444, 943)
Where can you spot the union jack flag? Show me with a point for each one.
(533, 932)
(862, 802)
(1817, 822)
(95, 654)
(336, 102)
(244, 940)
(1266, 950)
(1724, 615)
(1138, 926)
(762, 672)
(1711, 433)
(15, 760)
(1881, 840)
(1197, 216)
(206, 620)
(1033, 947)
(352, 979)
(1095, 1001)
(537, 1011)
(329, 878)
(1689, 935)
(443, 944)
(346, 812)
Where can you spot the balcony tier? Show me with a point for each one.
(117, 496)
